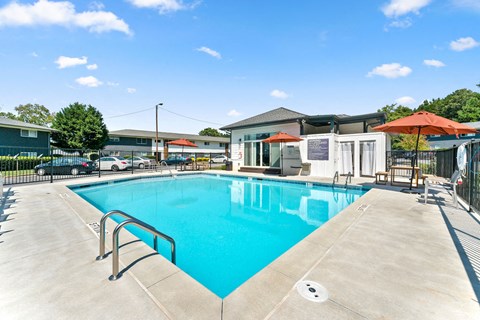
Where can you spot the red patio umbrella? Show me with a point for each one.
(282, 137)
(183, 143)
(424, 123)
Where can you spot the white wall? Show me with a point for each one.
(319, 168)
(237, 145)
(327, 168)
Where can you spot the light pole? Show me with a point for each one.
(156, 131)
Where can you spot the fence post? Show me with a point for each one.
(471, 177)
(99, 164)
(51, 165)
(132, 162)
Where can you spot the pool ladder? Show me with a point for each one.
(349, 176)
(130, 220)
(335, 177)
(164, 164)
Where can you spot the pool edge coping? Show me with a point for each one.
(342, 221)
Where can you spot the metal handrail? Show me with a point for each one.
(349, 176)
(335, 176)
(166, 165)
(138, 223)
(115, 263)
(103, 220)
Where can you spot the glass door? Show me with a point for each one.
(367, 158)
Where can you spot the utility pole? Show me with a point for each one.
(156, 131)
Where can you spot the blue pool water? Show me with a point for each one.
(226, 229)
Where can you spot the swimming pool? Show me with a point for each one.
(226, 229)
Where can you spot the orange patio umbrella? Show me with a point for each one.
(424, 123)
(183, 143)
(282, 137)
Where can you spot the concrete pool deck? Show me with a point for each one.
(387, 256)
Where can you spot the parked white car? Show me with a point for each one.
(219, 159)
(113, 163)
(141, 162)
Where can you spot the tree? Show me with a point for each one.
(79, 127)
(211, 132)
(409, 141)
(452, 106)
(34, 113)
(395, 112)
(470, 112)
(8, 115)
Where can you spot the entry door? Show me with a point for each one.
(346, 157)
(367, 158)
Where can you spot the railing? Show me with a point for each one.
(426, 161)
(20, 165)
(349, 176)
(115, 239)
(164, 164)
(336, 176)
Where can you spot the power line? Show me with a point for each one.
(177, 114)
(127, 114)
(191, 118)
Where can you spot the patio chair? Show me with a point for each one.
(430, 182)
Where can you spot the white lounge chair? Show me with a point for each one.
(430, 182)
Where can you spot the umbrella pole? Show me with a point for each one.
(281, 160)
(414, 161)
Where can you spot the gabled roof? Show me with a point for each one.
(165, 135)
(279, 115)
(475, 125)
(6, 122)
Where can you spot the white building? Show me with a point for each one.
(330, 143)
(122, 142)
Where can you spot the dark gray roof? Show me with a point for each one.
(165, 135)
(5, 122)
(475, 125)
(279, 115)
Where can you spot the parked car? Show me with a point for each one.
(178, 160)
(141, 162)
(71, 166)
(113, 163)
(219, 159)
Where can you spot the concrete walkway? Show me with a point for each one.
(387, 256)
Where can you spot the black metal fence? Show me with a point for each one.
(20, 165)
(427, 161)
(469, 189)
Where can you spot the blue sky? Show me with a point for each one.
(221, 61)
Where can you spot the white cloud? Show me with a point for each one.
(210, 52)
(112, 84)
(164, 6)
(434, 63)
(67, 62)
(392, 70)
(34, 54)
(96, 5)
(405, 100)
(279, 94)
(464, 44)
(402, 24)
(397, 8)
(131, 90)
(468, 4)
(233, 113)
(92, 66)
(89, 81)
(60, 13)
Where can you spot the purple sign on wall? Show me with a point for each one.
(318, 149)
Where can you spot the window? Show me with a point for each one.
(141, 141)
(222, 144)
(206, 143)
(28, 133)
(467, 135)
(114, 139)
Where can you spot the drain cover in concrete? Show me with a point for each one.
(312, 291)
